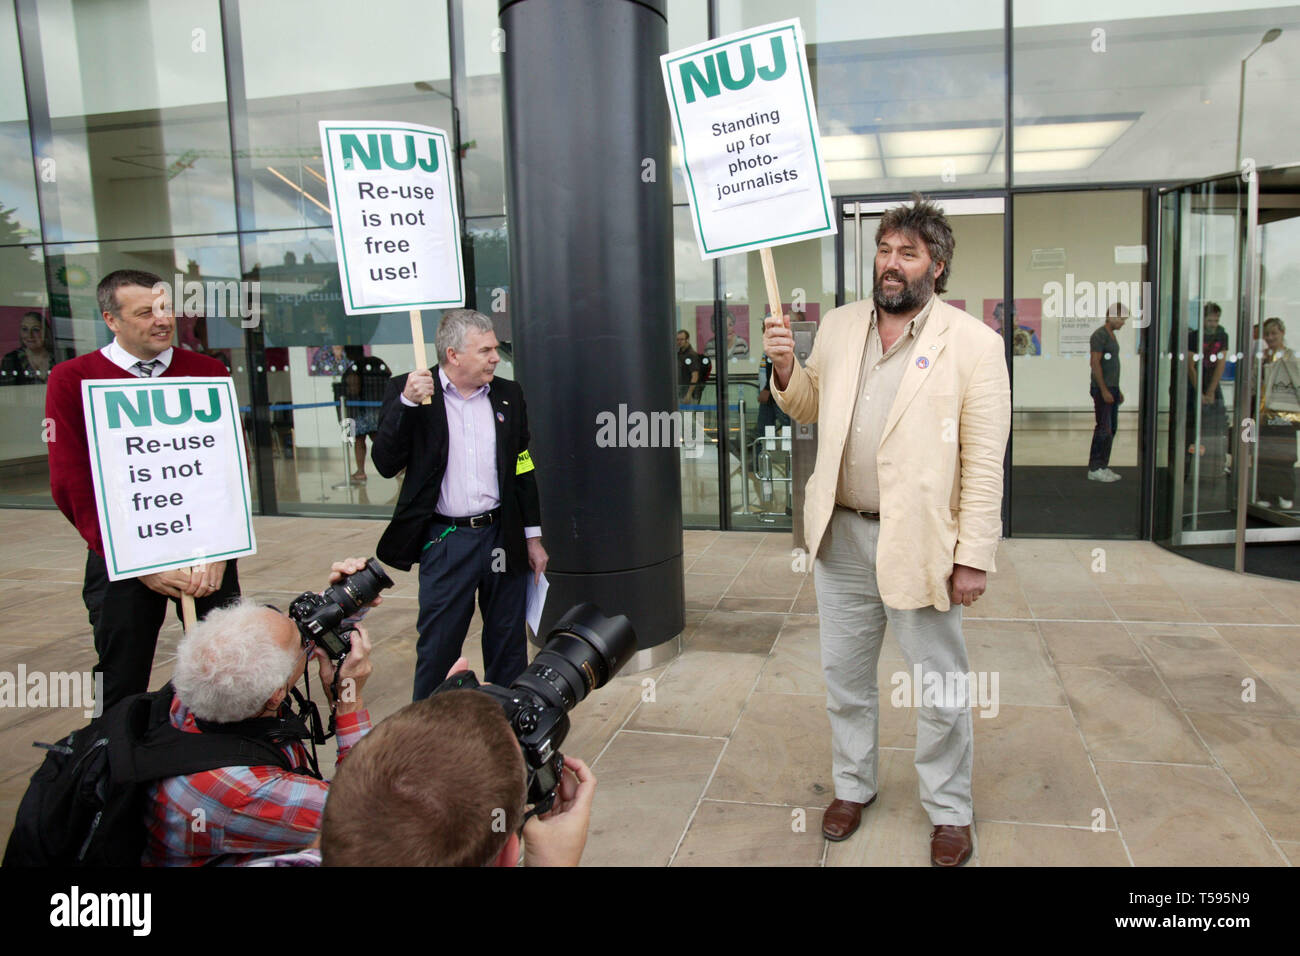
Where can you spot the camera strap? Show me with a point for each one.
(309, 716)
(277, 731)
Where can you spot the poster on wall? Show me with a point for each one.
(1075, 335)
(28, 345)
(334, 360)
(740, 336)
(1027, 319)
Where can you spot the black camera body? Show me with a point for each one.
(582, 652)
(326, 618)
(540, 730)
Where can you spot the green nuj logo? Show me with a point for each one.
(142, 406)
(379, 148)
(717, 73)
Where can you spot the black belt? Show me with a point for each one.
(473, 521)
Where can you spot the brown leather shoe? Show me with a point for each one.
(842, 817)
(950, 846)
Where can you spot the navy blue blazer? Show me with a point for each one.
(416, 439)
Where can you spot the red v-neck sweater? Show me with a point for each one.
(70, 481)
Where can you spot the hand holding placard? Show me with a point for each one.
(744, 119)
(778, 343)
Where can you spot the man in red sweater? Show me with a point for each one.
(125, 614)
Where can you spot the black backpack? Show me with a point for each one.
(86, 806)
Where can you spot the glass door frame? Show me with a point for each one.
(1247, 259)
(855, 202)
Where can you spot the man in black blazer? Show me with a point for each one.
(469, 512)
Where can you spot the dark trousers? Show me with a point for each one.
(1103, 436)
(452, 569)
(127, 616)
(1277, 457)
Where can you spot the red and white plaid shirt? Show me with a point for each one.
(234, 815)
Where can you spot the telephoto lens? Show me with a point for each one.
(582, 652)
(359, 588)
(324, 618)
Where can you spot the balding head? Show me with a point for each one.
(235, 662)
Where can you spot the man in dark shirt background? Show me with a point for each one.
(688, 370)
(1205, 367)
(1103, 353)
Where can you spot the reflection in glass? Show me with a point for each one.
(31, 361)
(1079, 315)
(326, 373)
(24, 472)
(491, 262)
(904, 101)
(696, 386)
(312, 60)
(1089, 109)
(19, 221)
(137, 112)
(1279, 418)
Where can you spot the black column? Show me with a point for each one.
(592, 297)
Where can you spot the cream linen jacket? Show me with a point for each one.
(939, 464)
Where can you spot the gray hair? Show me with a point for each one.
(228, 664)
(451, 330)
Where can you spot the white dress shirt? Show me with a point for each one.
(126, 361)
(469, 485)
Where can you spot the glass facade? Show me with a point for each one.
(1047, 137)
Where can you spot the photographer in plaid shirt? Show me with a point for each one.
(237, 664)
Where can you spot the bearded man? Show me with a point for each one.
(903, 511)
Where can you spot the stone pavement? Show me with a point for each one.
(1147, 713)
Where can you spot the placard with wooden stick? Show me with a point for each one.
(170, 472)
(392, 194)
(745, 122)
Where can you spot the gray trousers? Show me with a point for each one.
(853, 619)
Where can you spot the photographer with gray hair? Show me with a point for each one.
(235, 671)
(469, 513)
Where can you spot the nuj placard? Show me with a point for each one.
(745, 122)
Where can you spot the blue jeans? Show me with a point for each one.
(1103, 436)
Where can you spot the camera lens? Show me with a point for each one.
(582, 652)
(358, 589)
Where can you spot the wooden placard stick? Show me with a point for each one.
(417, 339)
(773, 290)
(188, 614)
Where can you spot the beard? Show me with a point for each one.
(912, 296)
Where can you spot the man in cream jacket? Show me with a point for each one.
(903, 511)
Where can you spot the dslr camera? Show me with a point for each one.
(328, 618)
(581, 653)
